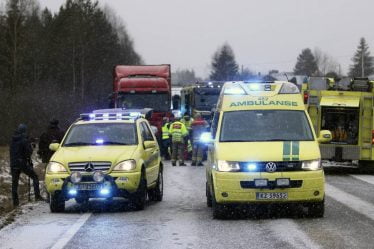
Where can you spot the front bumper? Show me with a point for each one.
(237, 187)
(120, 184)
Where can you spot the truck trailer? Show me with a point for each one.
(143, 86)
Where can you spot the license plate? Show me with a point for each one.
(271, 196)
(88, 186)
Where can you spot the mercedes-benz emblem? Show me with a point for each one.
(271, 167)
(89, 167)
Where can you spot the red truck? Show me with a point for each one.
(145, 86)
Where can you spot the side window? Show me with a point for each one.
(215, 123)
(146, 132)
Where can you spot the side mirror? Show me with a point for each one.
(149, 144)
(54, 146)
(324, 136)
(206, 138)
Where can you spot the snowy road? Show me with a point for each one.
(182, 220)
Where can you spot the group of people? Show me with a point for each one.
(20, 152)
(178, 134)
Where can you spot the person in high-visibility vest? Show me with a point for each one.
(165, 138)
(187, 121)
(178, 133)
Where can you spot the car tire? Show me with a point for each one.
(156, 194)
(208, 195)
(57, 203)
(139, 198)
(219, 211)
(316, 209)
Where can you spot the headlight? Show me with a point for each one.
(228, 166)
(125, 166)
(312, 165)
(54, 167)
(98, 176)
(76, 177)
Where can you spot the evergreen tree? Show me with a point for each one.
(362, 61)
(224, 66)
(306, 63)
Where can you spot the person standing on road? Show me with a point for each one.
(20, 162)
(179, 134)
(198, 126)
(53, 134)
(165, 141)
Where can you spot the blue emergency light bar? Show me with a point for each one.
(115, 114)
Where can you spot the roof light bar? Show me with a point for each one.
(109, 116)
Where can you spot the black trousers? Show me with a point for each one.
(165, 149)
(15, 179)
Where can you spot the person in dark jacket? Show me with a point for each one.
(53, 134)
(20, 162)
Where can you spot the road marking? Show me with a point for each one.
(61, 243)
(366, 178)
(288, 231)
(351, 201)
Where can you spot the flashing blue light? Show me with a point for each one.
(72, 191)
(206, 137)
(92, 116)
(104, 191)
(99, 141)
(252, 167)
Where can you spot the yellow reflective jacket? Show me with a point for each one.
(165, 131)
(178, 131)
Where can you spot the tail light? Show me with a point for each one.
(306, 97)
(372, 137)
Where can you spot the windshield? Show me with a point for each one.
(205, 100)
(265, 125)
(101, 134)
(156, 101)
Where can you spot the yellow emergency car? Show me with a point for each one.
(263, 149)
(106, 154)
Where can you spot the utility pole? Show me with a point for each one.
(362, 65)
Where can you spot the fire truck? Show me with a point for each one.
(200, 98)
(345, 107)
(144, 86)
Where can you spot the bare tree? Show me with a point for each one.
(326, 63)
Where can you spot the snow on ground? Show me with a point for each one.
(6, 182)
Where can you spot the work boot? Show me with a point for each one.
(174, 163)
(200, 164)
(182, 164)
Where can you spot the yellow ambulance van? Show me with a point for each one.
(263, 149)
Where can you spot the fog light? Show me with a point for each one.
(283, 182)
(316, 193)
(76, 177)
(123, 179)
(72, 191)
(261, 182)
(55, 180)
(98, 176)
(104, 191)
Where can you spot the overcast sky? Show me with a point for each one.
(264, 34)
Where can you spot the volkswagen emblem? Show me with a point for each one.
(89, 167)
(271, 167)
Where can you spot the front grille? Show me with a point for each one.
(93, 166)
(281, 166)
(271, 184)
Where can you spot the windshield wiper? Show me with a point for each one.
(78, 144)
(115, 143)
